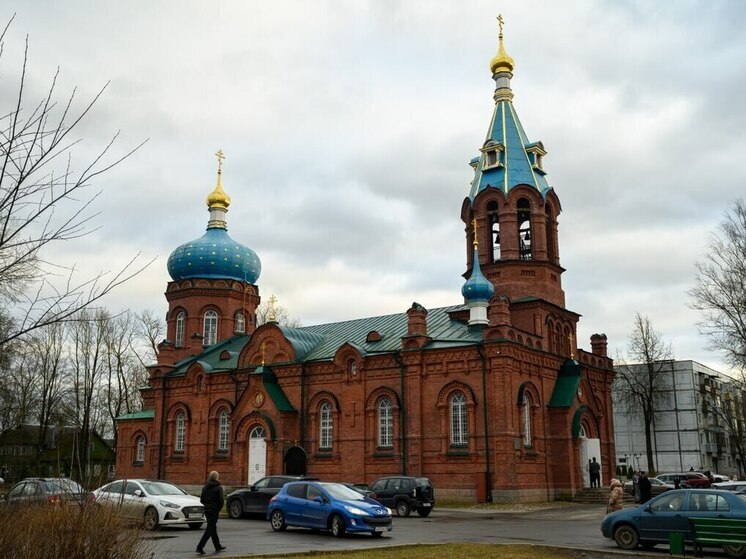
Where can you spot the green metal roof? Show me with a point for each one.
(144, 414)
(210, 357)
(269, 380)
(566, 386)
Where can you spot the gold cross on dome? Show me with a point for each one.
(271, 310)
(572, 346)
(219, 154)
(474, 224)
(500, 22)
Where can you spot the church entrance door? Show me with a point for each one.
(589, 448)
(257, 455)
(295, 461)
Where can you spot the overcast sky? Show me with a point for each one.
(348, 128)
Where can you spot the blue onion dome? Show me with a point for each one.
(477, 288)
(215, 254)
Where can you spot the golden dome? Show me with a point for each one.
(218, 198)
(501, 62)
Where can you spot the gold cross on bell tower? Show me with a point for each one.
(271, 311)
(219, 154)
(500, 22)
(474, 224)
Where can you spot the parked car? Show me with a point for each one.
(152, 502)
(46, 490)
(327, 506)
(656, 486)
(652, 522)
(730, 485)
(405, 494)
(719, 478)
(688, 479)
(255, 498)
(361, 488)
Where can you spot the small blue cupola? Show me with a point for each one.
(477, 290)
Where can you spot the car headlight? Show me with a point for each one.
(355, 510)
(389, 511)
(168, 505)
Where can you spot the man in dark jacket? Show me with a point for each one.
(645, 488)
(212, 499)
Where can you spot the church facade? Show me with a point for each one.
(491, 398)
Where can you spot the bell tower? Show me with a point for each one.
(511, 210)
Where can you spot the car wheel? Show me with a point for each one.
(338, 526)
(277, 520)
(737, 551)
(195, 525)
(151, 519)
(626, 537)
(235, 509)
(424, 511)
(402, 508)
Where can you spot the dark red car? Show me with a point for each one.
(688, 479)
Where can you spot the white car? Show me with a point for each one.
(154, 503)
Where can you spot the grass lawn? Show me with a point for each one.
(451, 551)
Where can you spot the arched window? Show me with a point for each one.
(180, 318)
(240, 323)
(257, 432)
(458, 419)
(223, 428)
(180, 437)
(526, 417)
(326, 426)
(352, 367)
(524, 229)
(385, 424)
(140, 449)
(210, 331)
(492, 215)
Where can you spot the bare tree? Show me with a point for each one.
(43, 203)
(720, 288)
(639, 384)
(281, 316)
(150, 329)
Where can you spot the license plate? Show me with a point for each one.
(195, 515)
(379, 529)
(427, 504)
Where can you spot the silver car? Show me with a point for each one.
(154, 503)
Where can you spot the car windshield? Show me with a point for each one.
(161, 488)
(741, 496)
(55, 486)
(423, 482)
(339, 491)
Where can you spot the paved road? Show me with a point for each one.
(575, 526)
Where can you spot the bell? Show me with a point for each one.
(528, 235)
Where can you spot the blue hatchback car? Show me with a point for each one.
(327, 506)
(652, 522)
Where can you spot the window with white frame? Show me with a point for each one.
(223, 428)
(140, 449)
(180, 437)
(210, 330)
(326, 426)
(385, 423)
(240, 323)
(180, 319)
(526, 414)
(458, 419)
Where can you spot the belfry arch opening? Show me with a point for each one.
(492, 216)
(525, 234)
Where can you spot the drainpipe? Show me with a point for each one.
(402, 412)
(163, 427)
(303, 405)
(487, 472)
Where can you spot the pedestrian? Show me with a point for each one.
(636, 487)
(645, 488)
(212, 499)
(616, 494)
(677, 481)
(595, 470)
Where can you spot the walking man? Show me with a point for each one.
(595, 470)
(212, 499)
(645, 488)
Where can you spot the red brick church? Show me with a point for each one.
(490, 398)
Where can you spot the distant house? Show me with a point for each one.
(21, 456)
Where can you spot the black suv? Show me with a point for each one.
(255, 498)
(405, 494)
